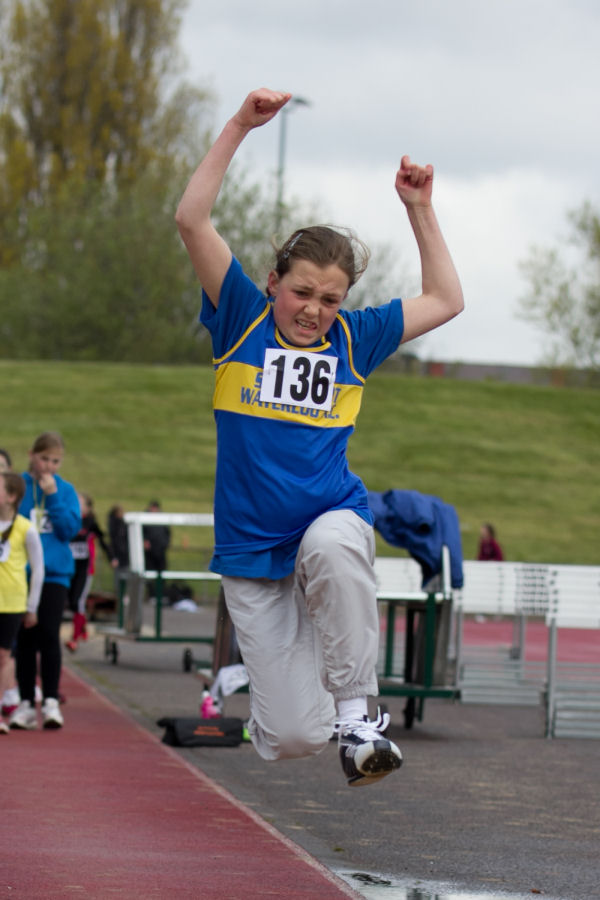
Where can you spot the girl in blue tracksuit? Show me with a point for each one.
(52, 505)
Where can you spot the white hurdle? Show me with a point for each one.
(573, 690)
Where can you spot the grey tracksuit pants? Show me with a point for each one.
(310, 638)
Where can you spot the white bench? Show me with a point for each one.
(399, 583)
(397, 576)
(130, 614)
(565, 596)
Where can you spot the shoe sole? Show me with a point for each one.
(18, 727)
(361, 780)
(52, 725)
(376, 767)
(381, 763)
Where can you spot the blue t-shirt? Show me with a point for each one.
(284, 415)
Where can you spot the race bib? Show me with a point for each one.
(297, 378)
(80, 550)
(41, 520)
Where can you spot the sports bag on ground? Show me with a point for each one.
(195, 732)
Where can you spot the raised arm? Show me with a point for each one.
(441, 298)
(208, 252)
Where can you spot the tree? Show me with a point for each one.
(86, 94)
(104, 279)
(97, 141)
(104, 275)
(83, 97)
(564, 295)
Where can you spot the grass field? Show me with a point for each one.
(525, 458)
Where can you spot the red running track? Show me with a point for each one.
(101, 808)
(580, 645)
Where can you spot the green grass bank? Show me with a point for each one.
(526, 458)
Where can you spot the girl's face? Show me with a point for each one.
(46, 462)
(307, 300)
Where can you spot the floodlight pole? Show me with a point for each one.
(290, 105)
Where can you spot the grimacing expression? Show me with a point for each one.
(307, 300)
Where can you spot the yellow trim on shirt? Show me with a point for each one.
(250, 328)
(350, 357)
(324, 345)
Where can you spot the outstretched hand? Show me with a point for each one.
(261, 106)
(414, 183)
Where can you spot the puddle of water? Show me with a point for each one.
(373, 886)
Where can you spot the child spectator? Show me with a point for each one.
(5, 461)
(20, 545)
(52, 505)
(10, 697)
(83, 548)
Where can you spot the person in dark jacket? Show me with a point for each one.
(117, 535)
(84, 555)
(156, 542)
(119, 546)
(489, 548)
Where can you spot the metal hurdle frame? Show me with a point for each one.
(129, 615)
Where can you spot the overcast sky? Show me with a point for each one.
(500, 96)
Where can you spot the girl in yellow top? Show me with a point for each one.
(20, 544)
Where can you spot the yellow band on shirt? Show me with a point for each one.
(237, 390)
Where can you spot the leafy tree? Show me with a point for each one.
(86, 95)
(94, 154)
(104, 275)
(564, 292)
(82, 97)
(97, 141)
(104, 279)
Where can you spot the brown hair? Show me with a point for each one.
(324, 245)
(49, 440)
(87, 500)
(15, 485)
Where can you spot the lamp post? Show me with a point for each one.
(292, 103)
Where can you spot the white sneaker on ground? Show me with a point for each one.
(24, 716)
(51, 714)
(4, 729)
(366, 755)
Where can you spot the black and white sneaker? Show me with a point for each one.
(366, 755)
